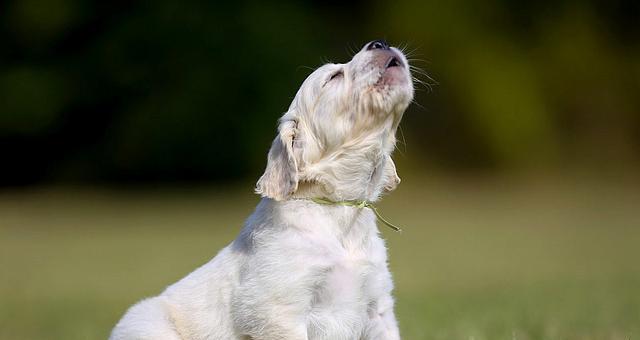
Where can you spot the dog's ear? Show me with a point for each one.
(391, 179)
(280, 178)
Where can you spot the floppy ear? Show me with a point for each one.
(391, 179)
(280, 178)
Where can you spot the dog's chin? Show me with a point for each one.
(392, 77)
(392, 91)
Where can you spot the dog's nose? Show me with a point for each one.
(377, 45)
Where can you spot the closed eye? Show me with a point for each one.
(336, 75)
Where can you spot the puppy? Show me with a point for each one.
(309, 262)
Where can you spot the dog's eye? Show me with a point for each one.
(336, 75)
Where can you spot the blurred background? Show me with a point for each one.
(131, 135)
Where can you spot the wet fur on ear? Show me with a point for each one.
(280, 178)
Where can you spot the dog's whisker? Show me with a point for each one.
(427, 84)
(403, 142)
(412, 52)
(352, 50)
(325, 60)
(420, 106)
(428, 79)
(306, 67)
(403, 48)
(414, 61)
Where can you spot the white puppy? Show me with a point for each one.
(309, 263)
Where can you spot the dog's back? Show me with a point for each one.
(196, 307)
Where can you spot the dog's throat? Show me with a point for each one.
(360, 204)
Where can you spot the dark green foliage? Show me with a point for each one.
(191, 90)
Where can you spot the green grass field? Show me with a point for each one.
(491, 259)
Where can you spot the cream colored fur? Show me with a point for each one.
(300, 270)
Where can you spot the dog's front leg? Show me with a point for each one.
(263, 315)
(279, 333)
(274, 295)
(270, 320)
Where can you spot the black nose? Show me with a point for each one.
(377, 45)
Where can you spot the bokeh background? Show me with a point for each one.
(131, 135)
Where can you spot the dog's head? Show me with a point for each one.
(336, 138)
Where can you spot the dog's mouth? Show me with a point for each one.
(392, 73)
(393, 62)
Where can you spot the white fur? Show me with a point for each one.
(300, 270)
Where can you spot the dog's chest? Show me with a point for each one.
(344, 300)
(346, 281)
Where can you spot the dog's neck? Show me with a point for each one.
(348, 222)
(356, 171)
